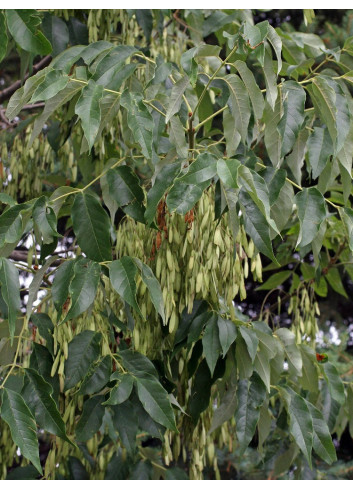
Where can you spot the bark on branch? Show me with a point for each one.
(7, 92)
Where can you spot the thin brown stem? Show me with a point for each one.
(7, 92)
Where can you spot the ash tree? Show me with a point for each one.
(155, 165)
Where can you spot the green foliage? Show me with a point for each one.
(160, 179)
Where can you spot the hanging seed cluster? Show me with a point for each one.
(304, 309)
(8, 455)
(193, 257)
(24, 171)
(101, 24)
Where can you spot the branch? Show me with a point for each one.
(7, 92)
(21, 255)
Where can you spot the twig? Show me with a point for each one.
(5, 119)
(38, 105)
(7, 92)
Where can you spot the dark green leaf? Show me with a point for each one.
(255, 34)
(117, 469)
(93, 50)
(84, 350)
(322, 441)
(250, 339)
(77, 469)
(311, 212)
(153, 287)
(145, 20)
(56, 31)
(275, 280)
(60, 288)
(65, 60)
(227, 333)
(201, 170)
(124, 420)
(346, 215)
(300, 422)
(3, 37)
(54, 81)
(45, 327)
(7, 350)
(282, 209)
(145, 422)
(177, 136)
(176, 473)
(44, 221)
(319, 149)
(239, 104)
(97, 377)
(137, 364)
(23, 95)
(164, 180)
(293, 114)
(83, 286)
(276, 43)
(270, 80)
(309, 379)
(197, 325)
(211, 342)
(36, 283)
(122, 276)
(200, 392)
(155, 401)
(334, 279)
(257, 227)
(23, 473)
(244, 361)
(231, 134)
(38, 395)
(22, 426)
(226, 408)
(91, 226)
(250, 396)
(330, 407)
(23, 26)
(324, 98)
(52, 105)
(262, 365)
(121, 392)
(141, 471)
(176, 97)
(109, 106)
(88, 110)
(343, 116)
(139, 120)
(124, 186)
(182, 197)
(334, 382)
(216, 21)
(273, 140)
(11, 225)
(257, 100)
(41, 361)
(284, 461)
(256, 187)
(291, 350)
(227, 171)
(91, 418)
(10, 292)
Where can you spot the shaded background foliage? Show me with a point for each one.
(334, 27)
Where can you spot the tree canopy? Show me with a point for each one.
(156, 167)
